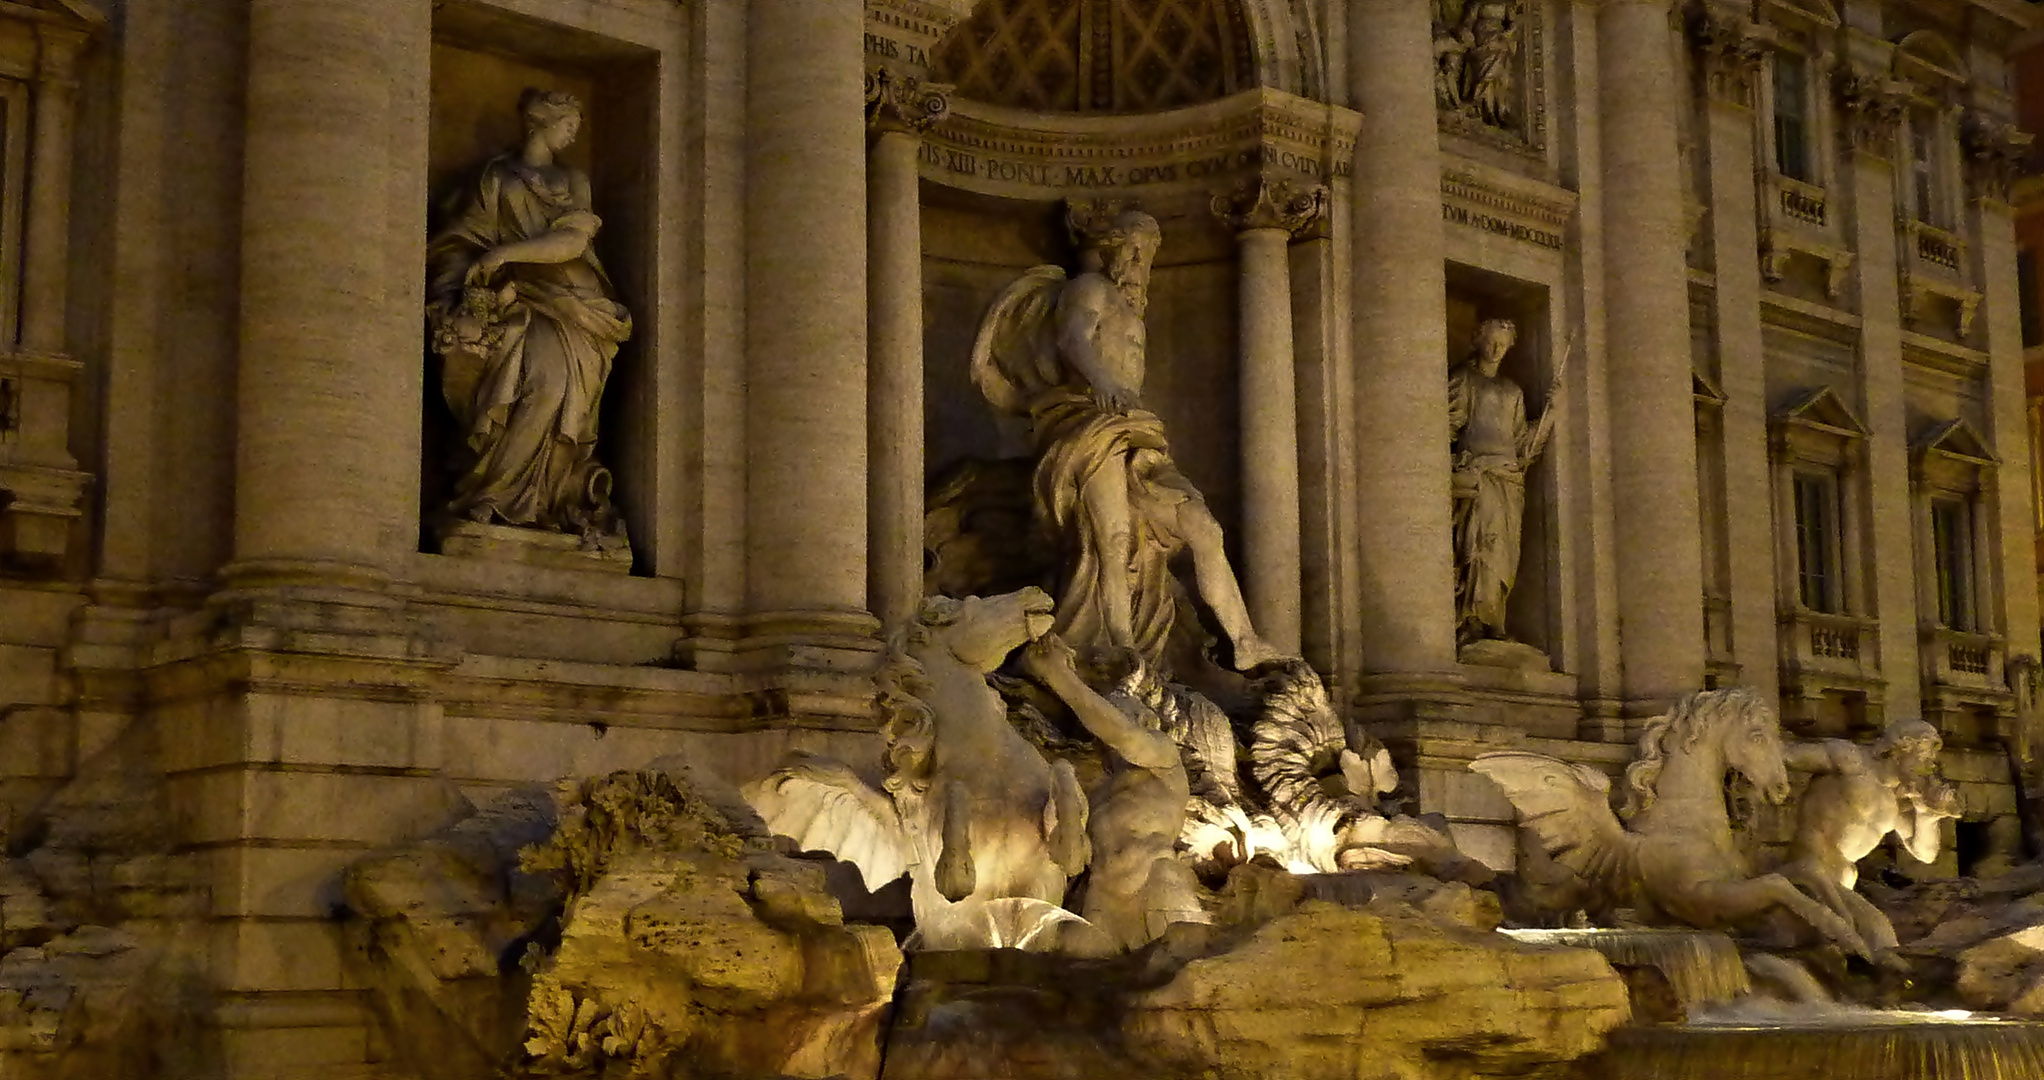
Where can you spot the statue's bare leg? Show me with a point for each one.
(1218, 587)
(1107, 518)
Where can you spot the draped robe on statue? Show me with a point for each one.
(527, 397)
(1488, 415)
(1016, 363)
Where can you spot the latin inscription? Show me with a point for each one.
(1457, 215)
(889, 49)
(963, 163)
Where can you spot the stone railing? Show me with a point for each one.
(1959, 659)
(1934, 265)
(1829, 648)
(1795, 216)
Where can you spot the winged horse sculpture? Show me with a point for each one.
(987, 831)
(1674, 858)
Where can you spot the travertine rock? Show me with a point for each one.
(687, 946)
(1375, 988)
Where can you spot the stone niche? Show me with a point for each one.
(974, 245)
(483, 59)
(1476, 295)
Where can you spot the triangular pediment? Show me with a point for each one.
(1823, 409)
(1955, 439)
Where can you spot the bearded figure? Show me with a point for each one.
(1069, 354)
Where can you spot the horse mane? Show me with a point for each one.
(1685, 725)
(909, 723)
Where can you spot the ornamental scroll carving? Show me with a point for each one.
(1729, 51)
(1871, 106)
(1996, 153)
(897, 102)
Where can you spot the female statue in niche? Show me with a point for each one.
(1494, 447)
(526, 323)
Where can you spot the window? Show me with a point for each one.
(1817, 542)
(2026, 297)
(1792, 116)
(1951, 530)
(1924, 158)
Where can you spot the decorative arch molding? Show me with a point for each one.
(1129, 56)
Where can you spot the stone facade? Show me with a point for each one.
(1789, 450)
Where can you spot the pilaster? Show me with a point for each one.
(1731, 49)
(1872, 106)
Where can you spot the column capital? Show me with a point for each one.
(1872, 104)
(1264, 203)
(1995, 153)
(1730, 47)
(57, 55)
(903, 103)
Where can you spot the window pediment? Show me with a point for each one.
(1804, 15)
(1956, 442)
(1819, 411)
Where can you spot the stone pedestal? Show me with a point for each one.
(533, 547)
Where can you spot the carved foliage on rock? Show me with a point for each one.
(1871, 106)
(1730, 50)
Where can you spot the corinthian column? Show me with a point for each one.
(1646, 300)
(806, 311)
(1265, 216)
(326, 482)
(898, 110)
(1400, 347)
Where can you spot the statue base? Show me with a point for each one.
(532, 547)
(1515, 655)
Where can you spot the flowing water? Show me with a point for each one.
(1760, 1040)
(1701, 968)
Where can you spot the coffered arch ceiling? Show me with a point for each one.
(1125, 56)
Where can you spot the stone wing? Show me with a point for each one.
(1568, 809)
(823, 806)
(1015, 355)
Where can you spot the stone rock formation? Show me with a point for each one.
(652, 931)
(1399, 976)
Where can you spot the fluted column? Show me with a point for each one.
(326, 481)
(806, 311)
(1407, 620)
(1653, 483)
(47, 265)
(1266, 215)
(898, 109)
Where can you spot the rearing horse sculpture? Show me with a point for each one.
(986, 829)
(1677, 860)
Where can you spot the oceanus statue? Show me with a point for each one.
(1673, 858)
(987, 831)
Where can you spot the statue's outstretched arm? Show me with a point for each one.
(1051, 661)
